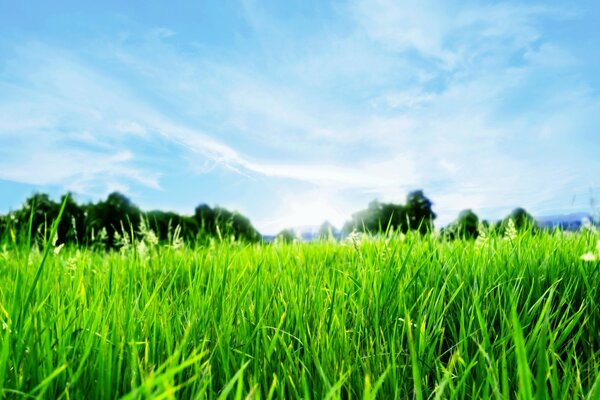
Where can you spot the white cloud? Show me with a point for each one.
(373, 176)
(401, 26)
(454, 33)
(405, 95)
(130, 127)
(40, 163)
(106, 100)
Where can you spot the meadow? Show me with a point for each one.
(410, 316)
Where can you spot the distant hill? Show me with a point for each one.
(268, 238)
(570, 222)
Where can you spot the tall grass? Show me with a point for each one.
(408, 316)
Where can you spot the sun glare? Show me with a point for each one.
(306, 211)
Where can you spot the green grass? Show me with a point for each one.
(407, 317)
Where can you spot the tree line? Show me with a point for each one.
(468, 225)
(108, 222)
(417, 215)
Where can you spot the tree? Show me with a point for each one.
(378, 217)
(3, 226)
(286, 236)
(241, 227)
(468, 224)
(164, 224)
(327, 231)
(383, 217)
(419, 212)
(365, 220)
(224, 223)
(205, 218)
(393, 217)
(522, 220)
(118, 217)
(42, 211)
(71, 228)
(465, 227)
(117, 214)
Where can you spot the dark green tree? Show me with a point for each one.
(417, 215)
(419, 212)
(42, 211)
(164, 224)
(522, 220)
(116, 214)
(3, 227)
(220, 222)
(465, 227)
(378, 217)
(72, 225)
(286, 236)
(393, 217)
(205, 218)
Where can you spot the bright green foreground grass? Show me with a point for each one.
(417, 317)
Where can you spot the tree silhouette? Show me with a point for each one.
(224, 223)
(286, 236)
(419, 212)
(522, 221)
(465, 227)
(164, 224)
(3, 226)
(42, 211)
(72, 225)
(383, 217)
(117, 214)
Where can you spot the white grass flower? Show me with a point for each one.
(102, 235)
(122, 241)
(589, 256)
(177, 240)
(151, 237)
(58, 248)
(354, 238)
(592, 256)
(588, 225)
(511, 230)
(5, 327)
(142, 249)
(482, 237)
(411, 323)
(142, 228)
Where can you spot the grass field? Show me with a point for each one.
(406, 317)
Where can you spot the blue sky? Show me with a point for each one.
(293, 112)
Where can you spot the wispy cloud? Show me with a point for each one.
(473, 102)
